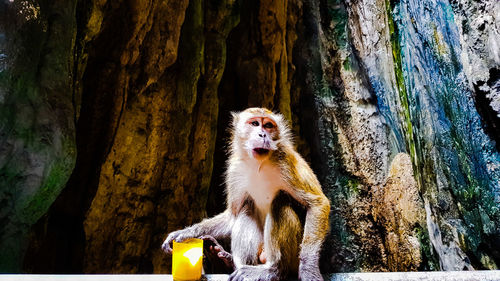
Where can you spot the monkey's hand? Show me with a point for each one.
(309, 271)
(255, 272)
(215, 251)
(178, 236)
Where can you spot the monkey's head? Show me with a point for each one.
(258, 132)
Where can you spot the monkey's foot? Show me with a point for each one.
(256, 272)
(309, 272)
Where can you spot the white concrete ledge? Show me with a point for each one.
(490, 275)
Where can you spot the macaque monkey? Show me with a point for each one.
(268, 184)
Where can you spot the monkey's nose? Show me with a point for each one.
(262, 135)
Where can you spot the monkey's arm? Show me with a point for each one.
(305, 187)
(315, 230)
(219, 227)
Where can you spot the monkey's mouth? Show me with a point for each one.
(261, 151)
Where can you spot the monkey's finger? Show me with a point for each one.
(167, 244)
(166, 248)
(225, 255)
(209, 239)
(227, 258)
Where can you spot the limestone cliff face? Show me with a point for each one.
(114, 114)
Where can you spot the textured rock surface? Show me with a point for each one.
(479, 28)
(394, 104)
(456, 161)
(37, 134)
(398, 207)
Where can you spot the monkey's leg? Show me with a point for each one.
(282, 236)
(246, 239)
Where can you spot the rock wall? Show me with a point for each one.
(37, 130)
(119, 109)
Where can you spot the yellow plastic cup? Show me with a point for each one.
(187, 259)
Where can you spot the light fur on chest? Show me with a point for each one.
(262, 183)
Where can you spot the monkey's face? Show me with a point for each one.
(258, 132)
(260, 135)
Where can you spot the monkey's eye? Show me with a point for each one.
(255, 123)
(268, 125)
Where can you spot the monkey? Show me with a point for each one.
(268, 183)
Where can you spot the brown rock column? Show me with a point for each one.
(157, 174)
